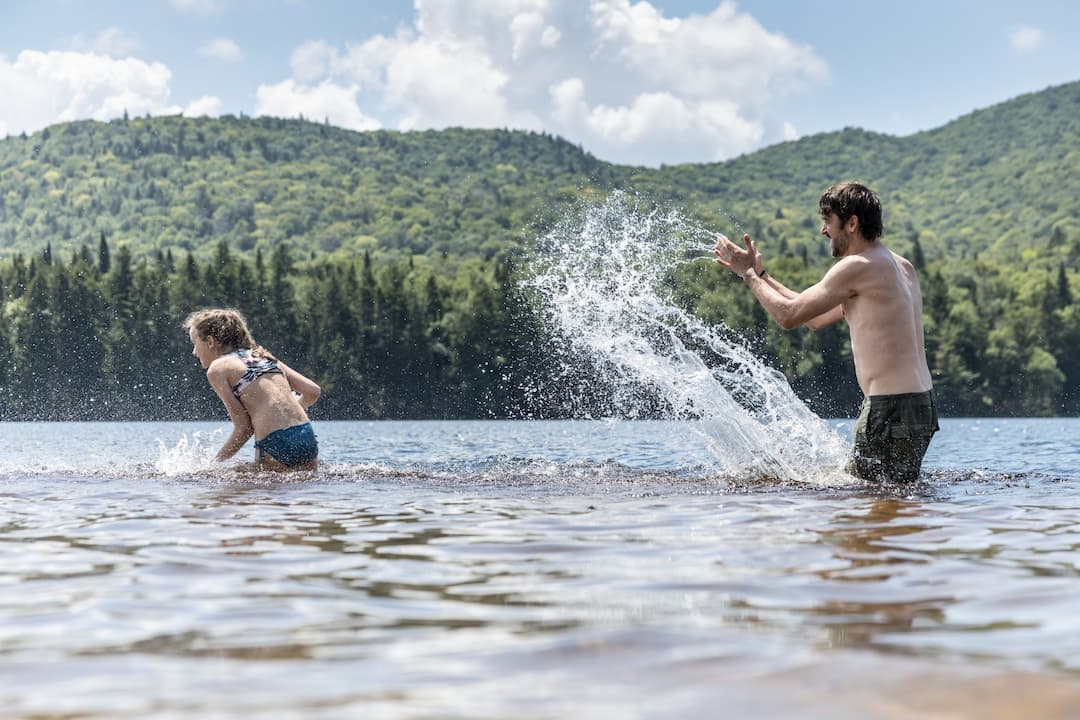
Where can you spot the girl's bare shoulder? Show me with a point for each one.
(225, 365)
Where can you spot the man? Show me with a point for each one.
(877, 292)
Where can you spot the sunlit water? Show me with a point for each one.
(533, 570)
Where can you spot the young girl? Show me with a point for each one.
(264, 396)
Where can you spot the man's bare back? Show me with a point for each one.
(884, 316)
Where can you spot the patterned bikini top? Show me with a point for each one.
(256, 368)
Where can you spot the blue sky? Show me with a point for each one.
(665, 81)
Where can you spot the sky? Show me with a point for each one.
(633, 82)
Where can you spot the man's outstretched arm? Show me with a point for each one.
(815, 307)
(786, 306)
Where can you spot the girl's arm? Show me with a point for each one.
(306, 388)
(242, 429)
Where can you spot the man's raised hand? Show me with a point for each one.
(736, 259)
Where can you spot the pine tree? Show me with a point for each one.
(35, 338)
(1064, 293)
(104, 261)
(917, 257)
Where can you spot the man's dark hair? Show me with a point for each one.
(851, 198)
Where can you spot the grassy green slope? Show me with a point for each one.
(1003, 182)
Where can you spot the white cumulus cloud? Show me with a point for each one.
(724, 54)
(568, 101)
(618, 76)
(62, 86)
(1026, 39)
(222, 48)
(325, 101)
(701, 131)
(313, 61)
(441, 84)
(530, 32)
(206, 106)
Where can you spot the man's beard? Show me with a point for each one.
(840, 245)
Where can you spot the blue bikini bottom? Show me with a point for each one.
(291, 446)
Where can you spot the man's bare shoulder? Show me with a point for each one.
(847, 278)
(905, 266)
(849, 268)
(877, 260)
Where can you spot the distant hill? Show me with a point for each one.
(174, 182)
(992, 183)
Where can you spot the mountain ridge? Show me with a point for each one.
(183, 184)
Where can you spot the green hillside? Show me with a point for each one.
(995, 181)
(184, 184)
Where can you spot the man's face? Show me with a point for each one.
(839, 240)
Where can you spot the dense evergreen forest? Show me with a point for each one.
(98, 335)
(385, 264)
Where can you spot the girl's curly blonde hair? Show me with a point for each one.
(225, 325)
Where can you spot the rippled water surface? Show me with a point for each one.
(533, 570)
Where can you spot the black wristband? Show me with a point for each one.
(763, 273)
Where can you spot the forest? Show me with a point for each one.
(389, 265)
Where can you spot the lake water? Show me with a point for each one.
(583, 569)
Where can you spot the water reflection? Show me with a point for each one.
(862, 540)
(866, 542)
(634, 587)
(925, 578)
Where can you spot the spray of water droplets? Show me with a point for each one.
(602, 281)
(187, 456)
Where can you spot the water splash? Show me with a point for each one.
(188, 456)
(602, 276)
